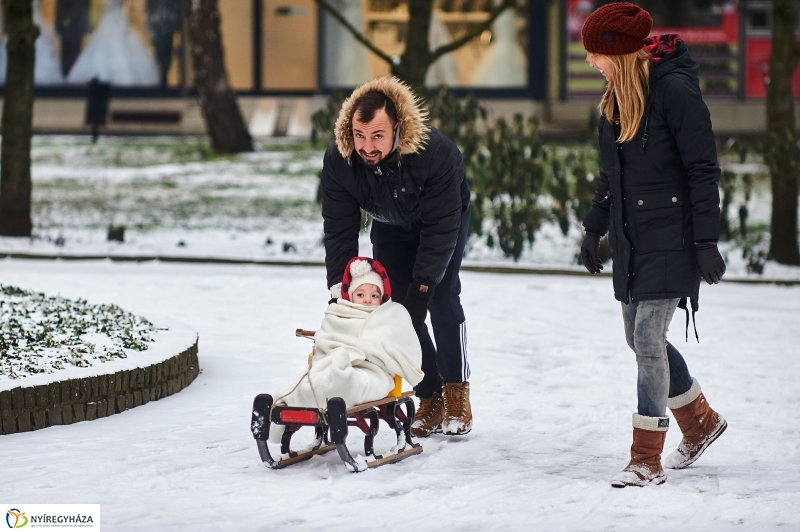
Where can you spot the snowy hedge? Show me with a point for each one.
(42, 334)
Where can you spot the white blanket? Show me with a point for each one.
(358, 350)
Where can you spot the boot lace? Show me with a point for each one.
(428, 407)
(455, 401)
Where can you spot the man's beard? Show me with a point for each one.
(374, 162)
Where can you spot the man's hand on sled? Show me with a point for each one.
(710, 262)
(416, 302)
(590, 252)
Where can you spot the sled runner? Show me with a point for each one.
(331, 427)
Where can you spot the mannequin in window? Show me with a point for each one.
(72, 25)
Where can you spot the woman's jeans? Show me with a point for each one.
(662, 370)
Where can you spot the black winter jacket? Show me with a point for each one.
(427, 188)
(657, 194)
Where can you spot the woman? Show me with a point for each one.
(658, 200)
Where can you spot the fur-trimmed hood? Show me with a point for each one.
(410, 116)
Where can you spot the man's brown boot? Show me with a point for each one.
(644, 468)
(698, 422)
(457, 410)
(429, 416)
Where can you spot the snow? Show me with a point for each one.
(171, 338)
(176, 199)
(39, 334)
(553, 389)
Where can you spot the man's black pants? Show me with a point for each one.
(396, 248)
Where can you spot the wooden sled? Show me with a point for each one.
(331, 427)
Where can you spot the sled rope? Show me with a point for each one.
(310, 385)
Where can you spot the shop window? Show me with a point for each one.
(128, 43)
(236, 29)
(709, 29)
(289, 45)
(758, 48)
(496, 59)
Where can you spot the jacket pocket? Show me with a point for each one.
(659, 221)
(407, 199)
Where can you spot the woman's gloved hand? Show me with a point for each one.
(416, 302)
(590, 252)
(710, 262)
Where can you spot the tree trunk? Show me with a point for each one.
(416, 58)
(782, 151)
(224, 122)
(15, 174)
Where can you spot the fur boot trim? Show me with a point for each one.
(684, 399)
(410, 116)
(657, 424)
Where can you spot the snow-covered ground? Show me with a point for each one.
(176, 199)
(553, 389)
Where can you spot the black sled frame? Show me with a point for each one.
(331, 427)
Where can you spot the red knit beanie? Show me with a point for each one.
(616, 29)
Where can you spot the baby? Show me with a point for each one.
(364, 341)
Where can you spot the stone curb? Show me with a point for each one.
(66, 402)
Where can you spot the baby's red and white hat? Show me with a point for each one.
(364, 270)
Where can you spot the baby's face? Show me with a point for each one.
(367, 294)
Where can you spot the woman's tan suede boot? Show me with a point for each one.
(700, 425)
(644, 468)
(429, 416)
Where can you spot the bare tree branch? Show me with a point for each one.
(474, 32)
(357, 35)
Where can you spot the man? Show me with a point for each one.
(410, 178)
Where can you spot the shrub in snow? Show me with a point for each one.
(41, 334)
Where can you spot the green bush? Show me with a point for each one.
(509, 172)
(324, 120)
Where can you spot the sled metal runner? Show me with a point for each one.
(331, 429)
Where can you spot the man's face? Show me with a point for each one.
(374, 139)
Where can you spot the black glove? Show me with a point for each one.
(416, 302)
(590, 252)
(710, 262)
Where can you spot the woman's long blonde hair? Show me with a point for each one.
(626, 93)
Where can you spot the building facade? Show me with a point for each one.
(285, 56)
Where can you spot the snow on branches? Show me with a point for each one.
(41, 334)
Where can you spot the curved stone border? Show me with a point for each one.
(65, 402)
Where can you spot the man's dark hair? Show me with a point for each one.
(368, 104)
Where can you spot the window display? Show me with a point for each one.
(128, 43)
(496, 59)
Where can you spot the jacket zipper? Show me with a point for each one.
(645, 136)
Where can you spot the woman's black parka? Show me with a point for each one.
(657, 194)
